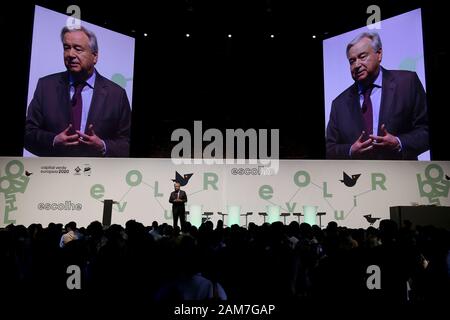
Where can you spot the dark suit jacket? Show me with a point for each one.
(403, 110)
(49, 114)
(178, 207)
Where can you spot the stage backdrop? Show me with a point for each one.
(63, 189)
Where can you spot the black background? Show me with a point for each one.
(247, 81)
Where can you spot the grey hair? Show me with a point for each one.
(91, 36)
(373, 36)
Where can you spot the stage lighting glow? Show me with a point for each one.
(234, 213)
(403, 49)
(195, 215)
(273, 213)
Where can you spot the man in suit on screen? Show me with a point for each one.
(383, 115)
(178, 198)
(78, 112)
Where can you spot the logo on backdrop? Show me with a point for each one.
(83, 170)
(87, 170)
(433, 185)
(14, 181)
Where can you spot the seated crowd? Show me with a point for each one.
(267, 263)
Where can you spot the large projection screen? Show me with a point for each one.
(115, 58)
(402, 50)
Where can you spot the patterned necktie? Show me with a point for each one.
(367, 110)
(77, 105)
